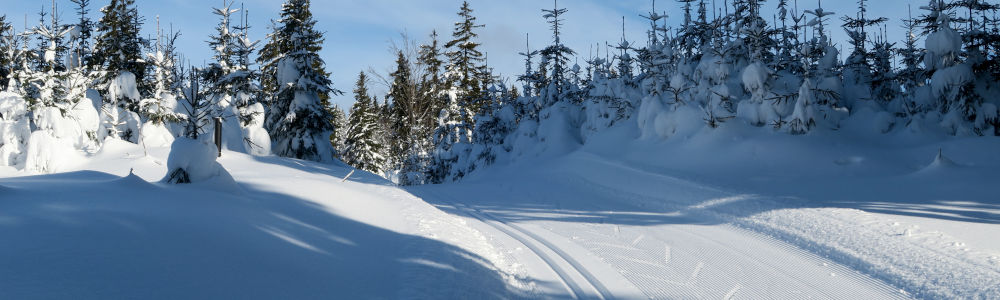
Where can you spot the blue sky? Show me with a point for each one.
(359, 33)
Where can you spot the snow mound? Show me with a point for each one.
(133, 181)
(941, 162)
(156, 135)
(193, 161)
(48, 154)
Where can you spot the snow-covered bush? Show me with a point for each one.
(257, 139)
(192, 161)
(15, 129)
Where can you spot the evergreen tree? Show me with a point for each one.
(118, 49)
(362, 148)
(465, 61)
(85, 29)
(8, 50)
(911, 77)
(297, 120)
(432, 86)
(222, 44)
(557, 54)
(341, 126)
(401, 113)
(166, 86)
(242, 80)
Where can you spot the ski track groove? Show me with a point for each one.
(526, 238)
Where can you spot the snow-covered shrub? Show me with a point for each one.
(15, 129)
(156, 135)
(257, 139)
(192, 161)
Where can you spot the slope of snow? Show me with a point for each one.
(895, 215)
(290, 230)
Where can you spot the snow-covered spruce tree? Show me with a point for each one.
(118, 50)
(297, 119)
(466, 66)
(432, 87)
(160, 109)
(15, 129)
(952, 79)
(8, 49)
(246, 92)
(62, 118)
(911, 76)
(233, 90)
(84, 30)
(192, 157)
(979, 99)
(223, 45)
(402, 93)
(858, 81)
(557, 54)
(118, 61)
(493, 125)
(884, 85)
(340, 125)
(451, 139)
(362, 147)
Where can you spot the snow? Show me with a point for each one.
(291, 230)
(721, 213)
(259, 142)
(46, 153)
(156, 135)
(14, 129)
(755, 76)
(197, 159)
(124, 87)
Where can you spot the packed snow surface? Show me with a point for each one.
(711, 214)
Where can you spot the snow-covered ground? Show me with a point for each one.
(716, 215)
(288, 230)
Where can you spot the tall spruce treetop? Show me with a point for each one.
(297, 119)
(466, 59)
(557, 53)
(85, 27)
(118, 44)
(223, 42)
(432, 85)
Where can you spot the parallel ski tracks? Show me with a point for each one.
(573, 275)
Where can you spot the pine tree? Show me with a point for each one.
(401, 92)
(85, 29)
(557, 54)
(432, 85)
(166, 87)
(859, 66)
(362, 148)
(339, 135)
(465, 62)
(118, 49)
(242, 80)
(8, 49)
(911, 77)
(297, 120)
